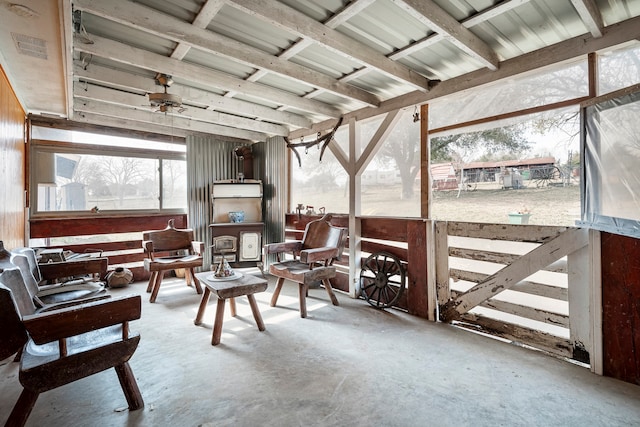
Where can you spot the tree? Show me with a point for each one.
(503, 141)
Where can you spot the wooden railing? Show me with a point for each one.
(127, 253)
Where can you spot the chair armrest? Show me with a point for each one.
(56, 270)
(198, 247)
(309, 256)
(292, 246)
(67, 322)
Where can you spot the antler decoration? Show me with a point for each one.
(324, 140)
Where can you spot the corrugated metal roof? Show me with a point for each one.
(299, 62)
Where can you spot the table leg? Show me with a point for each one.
(203, 306)
(217, 325)
(256, 312)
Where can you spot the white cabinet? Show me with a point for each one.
(233, 196)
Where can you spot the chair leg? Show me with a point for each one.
(276, 291)
(156, 286)
(327, 286)
(303, 289)
(22, 408)
(129, 386)
(152, 281)
(196, 282)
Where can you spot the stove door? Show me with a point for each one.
(250, 246)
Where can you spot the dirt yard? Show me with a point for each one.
(548, 205)
(488, 203)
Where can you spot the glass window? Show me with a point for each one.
(74, 177)
(174, 184)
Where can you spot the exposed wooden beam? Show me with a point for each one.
(340, 17)
(483, 16)
(289, 19)
(576, 47)
(66, 30)
(89, 92)
(190, 95)
(126, 54)
(150, 134)
(209, 9)
(153, 22)
(591, 17)
(374, 145)
(166, 121)
(438, 20)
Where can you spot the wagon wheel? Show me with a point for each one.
(550, 177)
(382, 279)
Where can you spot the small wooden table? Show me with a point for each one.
(229, 289)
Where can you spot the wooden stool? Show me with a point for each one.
(229, 289)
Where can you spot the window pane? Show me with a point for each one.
(174, 184)
(52, 134)
(84, 182)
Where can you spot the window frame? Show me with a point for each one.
(49, 146)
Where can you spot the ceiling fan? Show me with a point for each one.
(165, 101)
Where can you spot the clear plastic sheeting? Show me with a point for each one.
(611, 192)
(546, 86)
(618, 67)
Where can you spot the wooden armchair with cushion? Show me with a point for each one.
(171, 249)
(61, 346)
(312, 259)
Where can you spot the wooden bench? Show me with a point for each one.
(171, 249)
(63, 345)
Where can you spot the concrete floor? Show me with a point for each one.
(342, 366)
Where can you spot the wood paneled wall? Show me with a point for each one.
(12, 166)
(621, 307)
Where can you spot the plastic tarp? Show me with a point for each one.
(611, 165)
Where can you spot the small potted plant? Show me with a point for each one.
(521, 216)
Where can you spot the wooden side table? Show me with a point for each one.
(229, 289)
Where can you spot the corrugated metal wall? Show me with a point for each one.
(209, 159)
(270, 165)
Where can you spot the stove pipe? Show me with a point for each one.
(245, 154)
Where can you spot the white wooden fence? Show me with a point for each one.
(523, 283)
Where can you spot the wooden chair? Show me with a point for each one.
(61, 346)
(57, 282)
(313, 256)
(171, 249)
